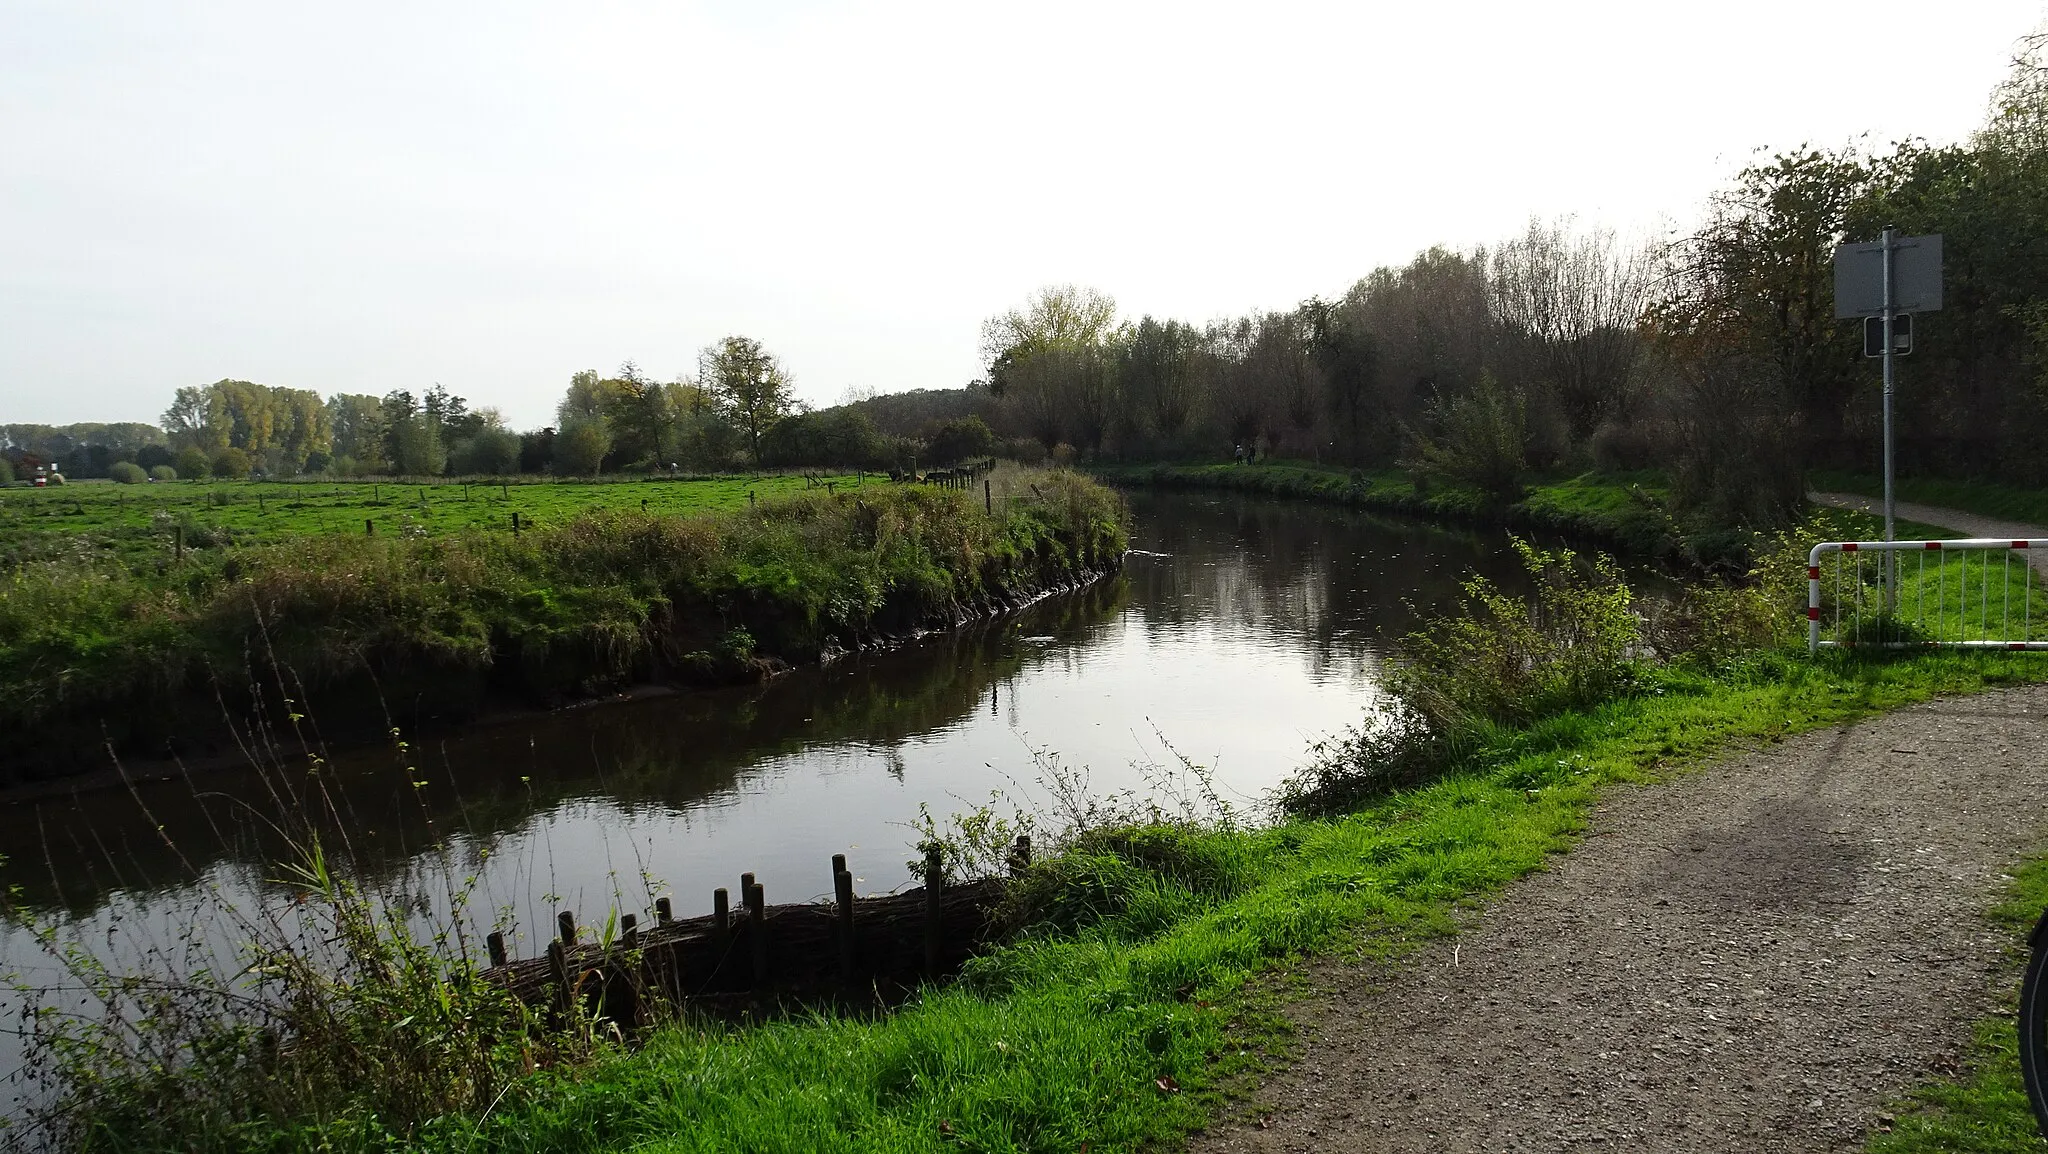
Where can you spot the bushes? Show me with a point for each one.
(193, 464)
(232, 464)
(126, 473)
(163, 473)
(1506, 660)
(564, 608)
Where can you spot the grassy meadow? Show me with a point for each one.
(136, 523)
(702, 584)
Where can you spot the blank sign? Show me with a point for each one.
(1916, 277)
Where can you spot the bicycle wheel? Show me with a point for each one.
(2033, 1023)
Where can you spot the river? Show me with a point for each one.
(1240, 631)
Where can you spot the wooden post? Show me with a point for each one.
(178, 546)
(988, 495)
(643, 504)
(664, 911)
(515, 522)
(934, 878)
(842, 892)
(369, 527)
(1020, 855)
(567, 921)
(721, 916)
(757, 932)
(629, 930)
(558, 964)
(496, 944)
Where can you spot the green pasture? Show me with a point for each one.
(139, 523)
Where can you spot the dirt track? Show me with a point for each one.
(1760, 955)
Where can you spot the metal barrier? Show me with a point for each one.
(1906, 601)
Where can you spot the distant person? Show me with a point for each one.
(1237, 454)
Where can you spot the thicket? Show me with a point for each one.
(560, 609)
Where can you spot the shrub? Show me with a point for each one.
(193, 464)
(6, 471)
(1482, 438)
(126, 473)
(1506, 659)
(163, 473)
(232, 464)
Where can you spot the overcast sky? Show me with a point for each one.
(492, 196)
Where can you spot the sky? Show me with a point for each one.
(492, 196)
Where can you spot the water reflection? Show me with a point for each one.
(1241, 630)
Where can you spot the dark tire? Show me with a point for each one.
(2033, 1023)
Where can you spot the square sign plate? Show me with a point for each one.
(1916, 277)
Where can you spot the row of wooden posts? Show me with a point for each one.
(867, 947)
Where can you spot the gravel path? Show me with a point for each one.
(1758, 956)
(1961, 522)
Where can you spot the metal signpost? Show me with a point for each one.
(1887, 282)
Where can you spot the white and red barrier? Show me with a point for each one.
(1891, 613)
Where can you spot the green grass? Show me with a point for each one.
(1985, 1110)
(103, 649)
(135, 522)
(1984, 498)
(1628, 512)
(1128, 1031)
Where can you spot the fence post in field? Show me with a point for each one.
(369, 527)
(934, 878)
(178, 544)
(664, 911)
(558, 965)
(629, 931)
(721, 916)
(757, 932)
(567, 921)
(515, 522)
(496, 945)
(988, 496)
(842, 891)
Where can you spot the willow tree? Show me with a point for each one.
(749, 384)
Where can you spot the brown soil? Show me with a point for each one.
(1762, 955)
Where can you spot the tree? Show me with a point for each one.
(231, 463)
(960, 439)
(1055, 317)
(127, 473)
(750, 385)
(1573, 302)
(1480, 438)
(416, 448)
(193, 464)
(580, 449)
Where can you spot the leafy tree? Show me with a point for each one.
(416, 449)
(232, 464)
(580, 449)
(492, 452)
(749, 384)
(6, 471)
(960, 439)
(127, 473)
(1480, 438)
(194, 464)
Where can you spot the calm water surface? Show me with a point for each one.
(1240, 631)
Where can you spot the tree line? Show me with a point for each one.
(1715, 355)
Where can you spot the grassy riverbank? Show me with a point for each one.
(1984, 498)
(94, 647)
(1143, 991)
(1627, 512)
